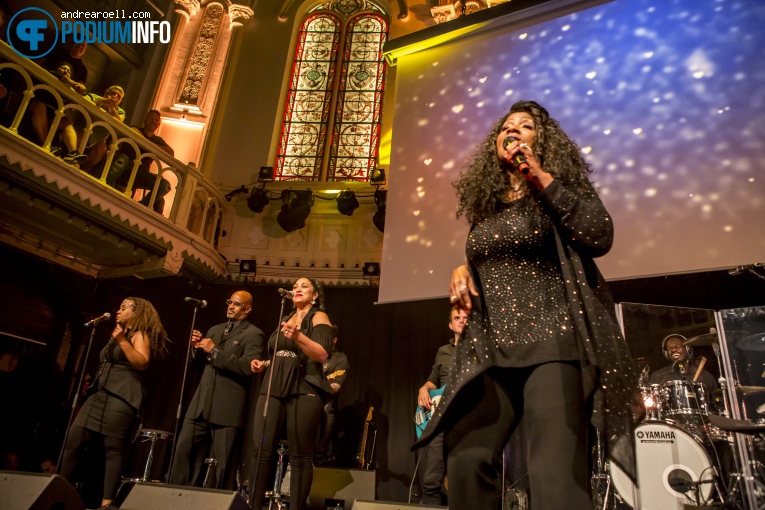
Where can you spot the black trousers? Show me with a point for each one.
(434, 471)
(114, 448)
(549, 399)
(303, 414)
(197, 440)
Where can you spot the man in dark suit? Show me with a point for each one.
(218, 409)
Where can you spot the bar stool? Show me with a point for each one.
(158, 442)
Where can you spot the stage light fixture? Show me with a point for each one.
(381, 198)
(248, 268)
(296, 206)
(258, 200)
(377, 176)
(371, 269)
(266, 174)
(347, 202)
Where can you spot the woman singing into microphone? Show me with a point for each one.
(298, 390)
(111, 414)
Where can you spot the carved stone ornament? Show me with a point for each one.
(238, 14)
(188, 7)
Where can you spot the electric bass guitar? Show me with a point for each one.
(422, 416)
(361, 457)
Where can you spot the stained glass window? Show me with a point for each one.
(313, 89)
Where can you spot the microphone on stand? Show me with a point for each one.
(95, 321)
(286, 293)
(201, 303)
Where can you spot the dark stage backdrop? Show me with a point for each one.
(390, 347)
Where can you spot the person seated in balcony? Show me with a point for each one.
(97, 145)
(144, 179)
(43, 110)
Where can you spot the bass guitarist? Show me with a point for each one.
(434, 453)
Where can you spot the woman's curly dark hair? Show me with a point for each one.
(146, 320)
(484, 180)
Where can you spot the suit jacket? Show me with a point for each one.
(221, 397)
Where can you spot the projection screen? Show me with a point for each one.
(665, 98)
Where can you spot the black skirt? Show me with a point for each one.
(107, 414)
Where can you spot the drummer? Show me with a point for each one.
(683, 366)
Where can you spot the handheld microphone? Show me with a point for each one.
(201, 303)
(95, 321)
(286, 293)
(519, 160)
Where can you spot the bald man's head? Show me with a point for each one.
(239, 305)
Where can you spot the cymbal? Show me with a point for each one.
(754, 342)
(705, 339)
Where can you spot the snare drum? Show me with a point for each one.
(149, 456)
(671, 467)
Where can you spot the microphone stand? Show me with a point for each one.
(265, 406)
(189, 355)
(76, 398)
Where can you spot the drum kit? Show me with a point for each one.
(685, 449)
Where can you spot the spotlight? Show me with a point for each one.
(247, 267)
(266, 174)
(258, 200)
(381, 198)
(377, 176)
(371, 269)
(347, 202)
(296, 206)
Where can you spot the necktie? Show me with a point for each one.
(228, 328)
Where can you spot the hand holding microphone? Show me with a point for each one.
(518, 159)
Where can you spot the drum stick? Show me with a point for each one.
(701, 367)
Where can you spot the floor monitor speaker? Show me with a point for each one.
(37, 491)
(332, 487)
(154, 496)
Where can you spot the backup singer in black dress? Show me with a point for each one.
(299, 390)
(111, 414)
(542, 342)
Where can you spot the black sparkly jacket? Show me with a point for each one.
(610, 381)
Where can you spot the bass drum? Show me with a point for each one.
(670, 465)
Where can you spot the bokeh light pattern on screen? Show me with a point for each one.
(665, 98)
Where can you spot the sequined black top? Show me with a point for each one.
(581, 230)
(528, 316)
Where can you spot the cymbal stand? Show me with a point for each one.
(723, 381)
(275, 496)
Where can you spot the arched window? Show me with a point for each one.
(347, 35)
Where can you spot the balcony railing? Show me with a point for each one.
(194, 204)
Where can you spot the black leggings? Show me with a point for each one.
(114, 448)
(549, 398)
(303, 414)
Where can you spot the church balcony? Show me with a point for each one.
(60, 213)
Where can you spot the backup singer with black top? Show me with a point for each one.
(218, 411)
(298, 391)
(111, 414)
(542, 341)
